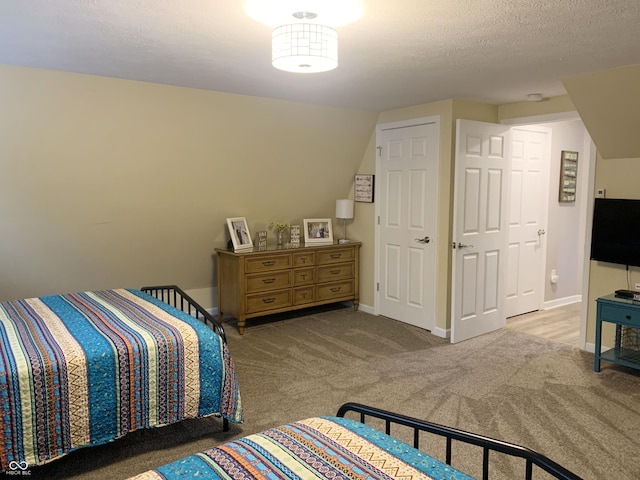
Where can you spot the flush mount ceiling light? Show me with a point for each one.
(333, 13)
(304, 39)
(304, 48)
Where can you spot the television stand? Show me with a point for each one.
(622, 312)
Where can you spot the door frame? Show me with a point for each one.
(413, 122)
(587, 207)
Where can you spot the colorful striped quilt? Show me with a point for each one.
(87, 368)
(325, 447)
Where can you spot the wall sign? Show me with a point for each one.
(364, 188)
(568, 176)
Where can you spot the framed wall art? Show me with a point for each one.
(239, 233)
(364, 188)
(318, 231)
(568, 176)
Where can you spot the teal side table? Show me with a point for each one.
(621, 312)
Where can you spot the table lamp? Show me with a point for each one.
(344, 212)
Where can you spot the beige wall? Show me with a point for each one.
(111, 183)
(447, 111)
(609, 104)
(107, 183)
(620, 179)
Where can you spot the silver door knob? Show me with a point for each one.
(541, 232)
(423, 240)
(461, 245)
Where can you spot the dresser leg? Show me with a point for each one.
(241, 327)
(356, 304)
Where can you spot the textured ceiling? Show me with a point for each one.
(401, 53)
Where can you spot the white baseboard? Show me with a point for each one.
(441, 332)
(561, 302)
(366, 309)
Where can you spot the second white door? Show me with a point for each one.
(407, 184)
(527, 218)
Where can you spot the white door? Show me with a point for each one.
(407, 180)
(530, 156)
(480, 228)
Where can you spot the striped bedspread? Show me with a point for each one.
(87, 368)
(324, 447)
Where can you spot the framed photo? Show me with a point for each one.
(364, 188)
(568, 176)
(239, 232)
(318, 231)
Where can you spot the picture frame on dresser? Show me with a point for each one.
(318, 231)
(239, 233)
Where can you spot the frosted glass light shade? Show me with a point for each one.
(304, 48)
(344, 208)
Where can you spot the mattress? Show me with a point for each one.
(321, 447)
(86, 368)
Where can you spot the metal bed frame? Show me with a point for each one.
(176, 297)
(487, 444)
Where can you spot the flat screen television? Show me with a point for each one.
(615, 235)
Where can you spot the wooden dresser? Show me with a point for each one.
(253, 283)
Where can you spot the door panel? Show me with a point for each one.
(407, 175)
(480, 228)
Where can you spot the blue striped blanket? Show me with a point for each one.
(86, 368)
(323, 447)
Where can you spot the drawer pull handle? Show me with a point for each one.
(336, 289)
(335, 272)
(336, 255)
(268, 300)
(270, 263)
(267, 281)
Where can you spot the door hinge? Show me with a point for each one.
(378, 287)
(378, 219)
(379, 147)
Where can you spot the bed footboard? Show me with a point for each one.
(487, 444)
(176, 297)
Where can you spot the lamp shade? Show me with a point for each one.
(344, 208)
(304, 48)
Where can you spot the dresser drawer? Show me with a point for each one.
(338, 271)
(265, 263)
(619, 314)
(268, 301)
(304, 259)
(335, 255)
(304, 295)
(303, 276)
(261, 282)
(257, 282)
(329, 291)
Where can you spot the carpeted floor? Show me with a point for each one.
(506, 384)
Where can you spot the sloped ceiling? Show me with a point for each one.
(609, 105)
(400, 53)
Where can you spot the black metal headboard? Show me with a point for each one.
(176, 297)
(487, 444)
